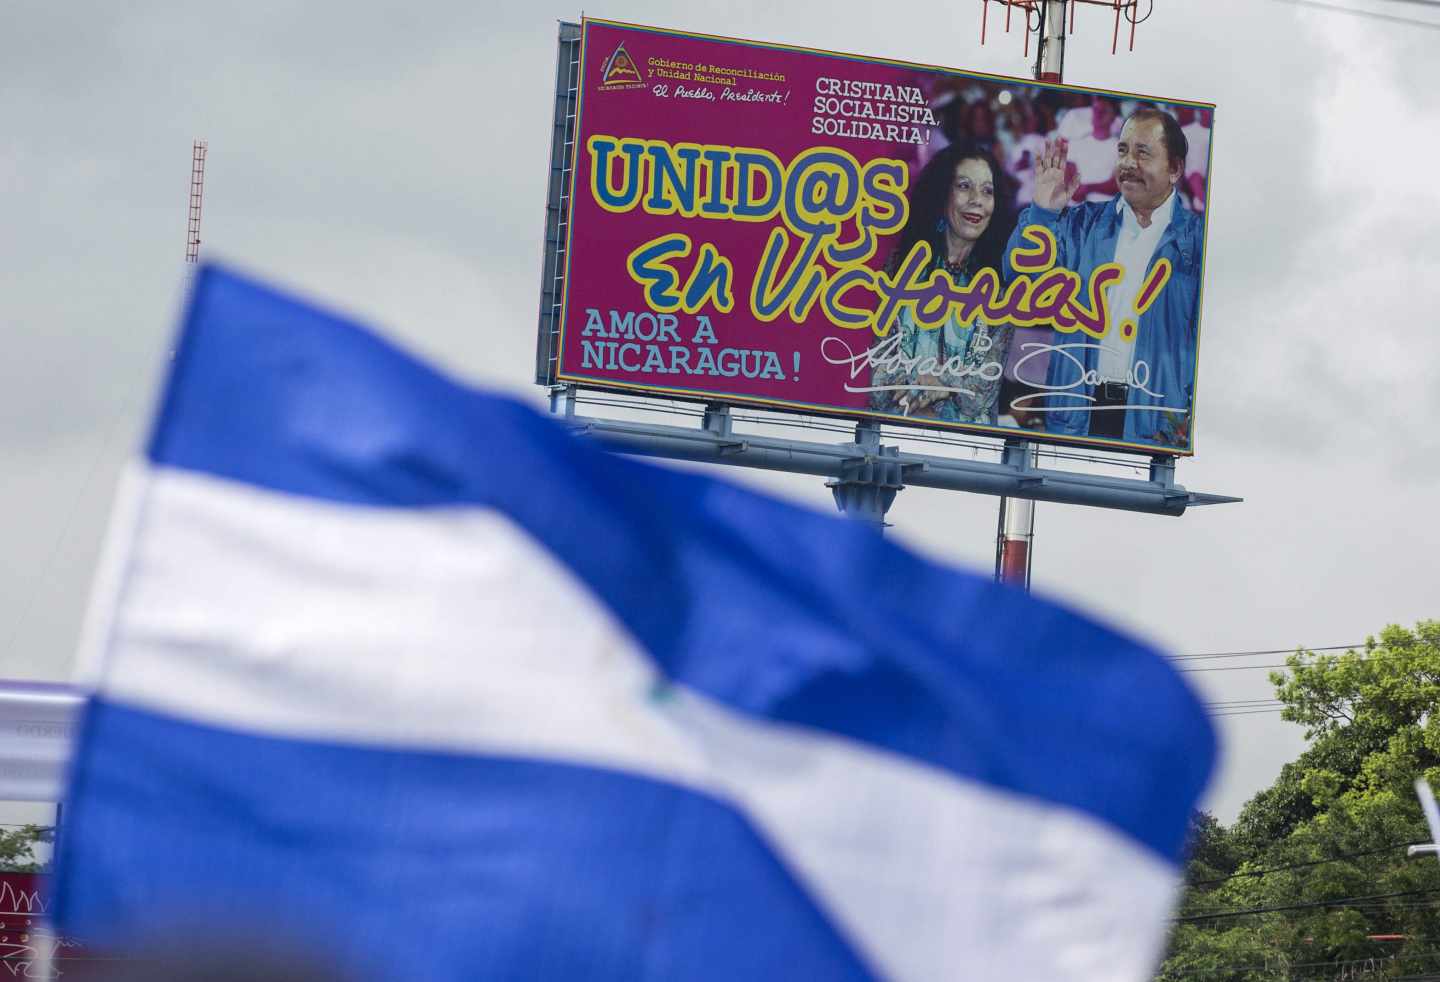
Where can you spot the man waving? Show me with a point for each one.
(1136, 383)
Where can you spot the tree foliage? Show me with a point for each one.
(1326, 842)
(18, 848)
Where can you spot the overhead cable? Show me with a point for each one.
(1374, 15)
(1339, 902)
(1299, 649)
(1302, 865)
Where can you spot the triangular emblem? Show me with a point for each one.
(620, 69)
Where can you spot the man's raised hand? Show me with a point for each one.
(1055, 181)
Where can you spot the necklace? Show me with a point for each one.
(960, 269)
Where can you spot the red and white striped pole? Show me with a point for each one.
(1017, 515)
(1050, 53)
(1017, 534)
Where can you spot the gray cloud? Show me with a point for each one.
(391, 161)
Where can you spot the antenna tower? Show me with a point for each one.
(197, 195)
(1051, 19)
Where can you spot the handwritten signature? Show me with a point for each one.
(1138, 377)
(886, 358)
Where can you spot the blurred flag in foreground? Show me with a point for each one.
(403, 673)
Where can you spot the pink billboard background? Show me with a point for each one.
(681, 89)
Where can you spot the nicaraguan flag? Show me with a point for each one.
(404, 674)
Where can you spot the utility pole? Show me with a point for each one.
(1050, 53)
(1016, 539)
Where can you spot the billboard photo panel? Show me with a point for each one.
(765, 225)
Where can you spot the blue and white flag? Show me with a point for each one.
(405, 674)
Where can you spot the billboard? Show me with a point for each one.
(29, 948)
(750, 223)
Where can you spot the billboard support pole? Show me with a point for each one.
(868, 483)
(562, 401)
(1017, 519)
(1162, 471)
(1050, 52)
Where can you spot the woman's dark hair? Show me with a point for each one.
(930, 196)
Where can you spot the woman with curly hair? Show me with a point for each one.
(963, 205)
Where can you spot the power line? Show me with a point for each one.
(1309, 862)
(1267, 651)
(1235, 668)
(1340, 902)
(1291, 966)
(1391, 18)
(1245, 707)
(1378, 656)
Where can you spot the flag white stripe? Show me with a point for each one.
(451, 630)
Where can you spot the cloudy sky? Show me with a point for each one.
(391, 160)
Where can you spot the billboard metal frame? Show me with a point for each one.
(557, 202)
(864, 475)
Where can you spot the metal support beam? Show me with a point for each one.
(717, 419)
(1162, 471)
(557, 202)
(867, 485)
(562, 401)
(884, 470)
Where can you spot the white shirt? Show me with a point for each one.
(1133, 249)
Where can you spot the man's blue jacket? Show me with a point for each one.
(1086, 235)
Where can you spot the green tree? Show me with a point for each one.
(1211, 848)
(1333, 827)
(18, 846)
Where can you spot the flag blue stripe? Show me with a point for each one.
(773, 610)
(424, 865)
